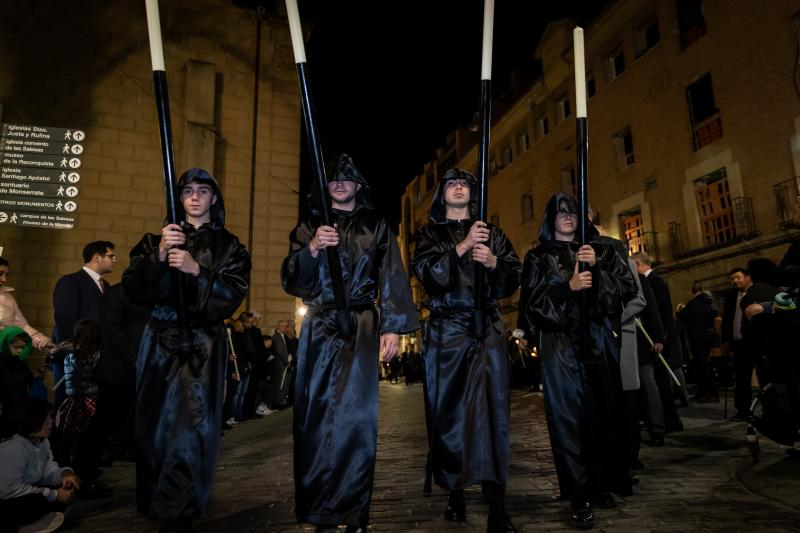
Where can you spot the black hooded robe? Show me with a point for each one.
(467, 378)
(336, 385)
(580, 397)
(179, 400)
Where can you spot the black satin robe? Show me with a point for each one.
(336, 387)
(178, 399)
(467, 378)
(581, 397)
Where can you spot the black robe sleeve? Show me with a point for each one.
(545, 298)
(435, 266)
(146, 279)
(612, 283)
(300, 270)
(215, 293)
(398, 312)
(505, 276)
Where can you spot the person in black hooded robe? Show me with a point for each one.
(580, 395)
(336, 387)
(179, 396)
(467, 377)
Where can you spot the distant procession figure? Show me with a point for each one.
(179, 396)
(580, 397)
(467, 378)
(336, 388)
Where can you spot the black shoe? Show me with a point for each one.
(456, 510)
(604, 500)
(656, 440)
(583, 516)
(500, 523)
(325, 528)
(225, 425)
(634, 478)
(94, 491)
(637, 465)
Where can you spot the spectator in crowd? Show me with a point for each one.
(76, 421)
(267, 390)
(644, 265)
(77, 296)
(34, 490)
(731, 334)
(283, 358)
(647, 356)
(16, 377)
(239, 375)
(10, 315)
(698, 317)
(252, 331)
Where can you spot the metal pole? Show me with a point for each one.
(479, 296)
(167, 156)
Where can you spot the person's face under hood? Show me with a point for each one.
(343, 192)
(15, 342)
(560, 220)
(456, 191)
(200, 196)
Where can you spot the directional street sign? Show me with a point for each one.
(42, 133)
(39, 175)
(33, 146)
(30, 175)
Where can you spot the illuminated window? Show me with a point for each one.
(633, 232)
(714, 207)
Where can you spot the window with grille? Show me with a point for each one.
(623, 145)
(542, 126)
(526, 207)
(633, 232)
(703, 113)
(506, 155)
(691, 23)
(647, 36)
(430, 180)
(564, 111)
(569, 180)
(524, 141)
(714, 208)
(616, 63)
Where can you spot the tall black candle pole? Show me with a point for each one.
(479, 317)
(582, 133)
(167, 155)
(317, 163)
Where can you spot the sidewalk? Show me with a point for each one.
(691, 484)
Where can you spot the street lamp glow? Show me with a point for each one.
(302, 311)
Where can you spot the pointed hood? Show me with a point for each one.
(438, 211)
(561, 202)
(342, 168)
(198, 175)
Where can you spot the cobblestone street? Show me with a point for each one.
(691, 484)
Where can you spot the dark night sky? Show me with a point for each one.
(391, 79)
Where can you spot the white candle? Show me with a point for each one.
(154, 31)
(296, 30)
(580, 72)
(488, 29)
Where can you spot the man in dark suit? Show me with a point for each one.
(77, 296)
(664, 301)
(732, 316)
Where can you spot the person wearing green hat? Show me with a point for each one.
(15, 376)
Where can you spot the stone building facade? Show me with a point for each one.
(694, 137)
(87, 65)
